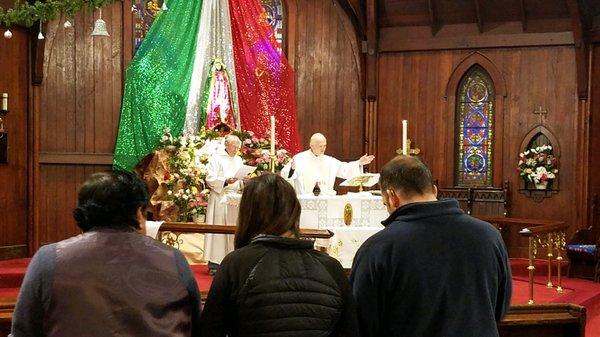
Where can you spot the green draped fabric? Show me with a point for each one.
(157, 83)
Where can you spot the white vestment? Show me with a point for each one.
(323, 169)
(221, 166)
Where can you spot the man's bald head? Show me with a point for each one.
(318, 144)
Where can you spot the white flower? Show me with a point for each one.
(185, 197)
(520, 162)
(534, 151)
(169, 192)
(164, 138)
(526, 152)
(187, 191)
(549, 147)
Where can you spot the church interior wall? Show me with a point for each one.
(69, 123)
(412, 86)
(13, 175)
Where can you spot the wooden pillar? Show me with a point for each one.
(371, 83)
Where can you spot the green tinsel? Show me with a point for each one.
(26, 14)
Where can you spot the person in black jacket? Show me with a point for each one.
(433, 270)
(275, 284)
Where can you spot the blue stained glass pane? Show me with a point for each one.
(474, 116)
(275, 16)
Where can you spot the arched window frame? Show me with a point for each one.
(452, 87)
(467, 107)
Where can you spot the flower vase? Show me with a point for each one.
(199, 218)
(541, 185)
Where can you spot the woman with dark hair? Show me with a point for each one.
(110, 280)
(275, 284)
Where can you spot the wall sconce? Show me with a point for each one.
(3, 133)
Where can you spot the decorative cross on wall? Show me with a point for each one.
(541, 112)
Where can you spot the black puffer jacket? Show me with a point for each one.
(279, 287)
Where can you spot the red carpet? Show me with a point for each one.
(577, 291)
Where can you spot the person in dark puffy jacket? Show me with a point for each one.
(275, 284)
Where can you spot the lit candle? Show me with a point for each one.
(272, 135)
(405, 137)
(4, 101)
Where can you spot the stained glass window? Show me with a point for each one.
(475, 125)
(145, 12)
(275, 16)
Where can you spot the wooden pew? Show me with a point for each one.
(544, 320)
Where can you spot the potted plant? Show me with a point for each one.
(538, 166)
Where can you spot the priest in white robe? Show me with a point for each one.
(313, 166)
(222, 167)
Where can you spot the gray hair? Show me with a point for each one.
(232, 139)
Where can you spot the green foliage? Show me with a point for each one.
(26, 14)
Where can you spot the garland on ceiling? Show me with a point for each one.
(27, 14)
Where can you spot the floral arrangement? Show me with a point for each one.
(186, 174)
(257, 152)
(538, 165)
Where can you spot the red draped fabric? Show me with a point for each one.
(265, 80)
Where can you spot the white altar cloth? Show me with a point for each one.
(327, 212)
(346, 241)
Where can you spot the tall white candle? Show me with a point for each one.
(404, 137)
(4, 101)
(272, 135)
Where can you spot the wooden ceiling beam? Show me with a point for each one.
(433, 17)
(523, 15)
(479, 15)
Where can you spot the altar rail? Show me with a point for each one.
(169, 232)
(548, 234)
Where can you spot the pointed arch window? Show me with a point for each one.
(475, 108)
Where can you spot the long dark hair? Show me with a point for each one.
(110, 199)
(269, 206)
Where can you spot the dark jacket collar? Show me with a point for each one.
(287, 243)
(419, 210)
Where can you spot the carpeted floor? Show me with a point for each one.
(582, 292)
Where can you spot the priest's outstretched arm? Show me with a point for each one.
(353, 168)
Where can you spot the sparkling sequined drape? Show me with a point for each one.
(157, 83)
(265, 80)
(213, 41)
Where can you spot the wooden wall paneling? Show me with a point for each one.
(78, 116)
(594, 138)
(14, 175)
(412, 86)
(328, 53)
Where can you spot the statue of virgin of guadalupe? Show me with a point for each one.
(217, 102)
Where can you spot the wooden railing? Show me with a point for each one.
(549, 234)
(169, 232)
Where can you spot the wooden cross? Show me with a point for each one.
(541, 112)
(411, 152)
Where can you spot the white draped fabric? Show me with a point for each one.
(323, 169)
(214, 41)
(221, 166)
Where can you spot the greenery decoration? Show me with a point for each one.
(29, 13)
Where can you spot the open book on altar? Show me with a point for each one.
(363, 179)
(244, 171)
